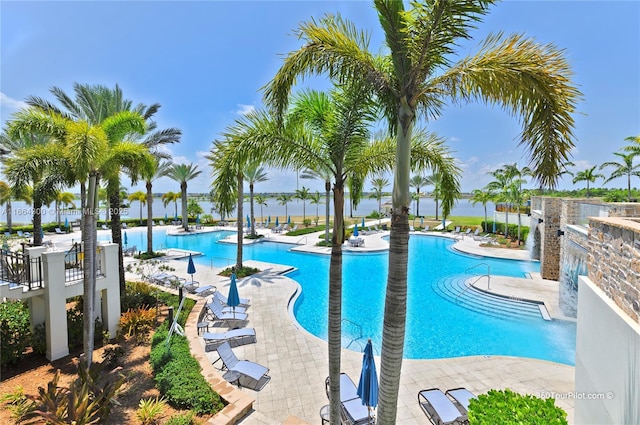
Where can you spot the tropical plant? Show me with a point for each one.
(483, 196)
(379, 183)
(624, 168)
(314, 199)
(303, 194)
(150, 410)
(284, 199)
(158, 169)
(63, 199)
(5, 199)
(139, 196)
(416, 77)
(262, 201)
(253, 173)
(324, 175)
(589, 175)
(418, 181)
(171, 197)
(15, 333)
(182, 173)
(194, 209)
(434, 180)
(510, 408)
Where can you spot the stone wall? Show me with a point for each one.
(614, 261)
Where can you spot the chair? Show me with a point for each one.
(353, 412)
(234, 337)
(204, 291)
(130, 251)
(476, 233)
(225, 306)
(457, 229)
(461, 398)
(467, 232)
(426, 228)
(439, 408)
(244, 302)
(104, 227)
(59, 231)
(217, 313)
(20, 233)
(245, 370)
(124, 226)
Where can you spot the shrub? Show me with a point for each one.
(138, 322)
(74, 326)
(15, 333)
(138, 294)
(188, 418)
(39, 340)
(111, 356)
(17, 403)
(150, 410)
(306, 222)
(510, 408)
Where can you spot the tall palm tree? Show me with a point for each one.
(159, 169)
(86, 149)
(171, 197)
(416, 76)
(141, 197)
(418, 181)
(379, 183)
(325, 175)
(284, 199)
(434, 180)
(338, 142)
(314, 199)
(589, 175)
(483, 196)
(303, 194)
(183, 173)
(262, 201)
(624, 168)
(5, 199)
(253, 174)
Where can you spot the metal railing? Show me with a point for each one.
(359, 328)
(298, 242)
(18, 268)
(488, 275)
(73, 263)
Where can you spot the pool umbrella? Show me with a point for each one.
(175, 217)
(368, 385)
(233, 299)
(66, 223)
(166, 219)
(277, 224)
(362, 223)
(355, 230)
(269, 220)
(126, 241)
(198, 219)
(191, 268)
(289, 220)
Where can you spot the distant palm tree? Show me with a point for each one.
(483, 196)
(141, 197)
(434, 180)
(5, 199)
(63, 198)
(625, 168)
(325, 174)
(171, 197)
(262, 201)
(253, 173)
(158, 170)
(379, 183)
(314, 199)
(418, 181)
(284, 199)
(303, 195)
(589, 175)
(182, 173)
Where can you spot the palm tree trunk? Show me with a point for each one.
(89, 265)
(335, 302)
(113, 194)
(327, 188)
(10, 216)
(418, 202)
(185, 219)
(395, 304)
(628, 187)
(485, 219)
(149, 218)
(253, 220)
(37, 221)
(240, 222)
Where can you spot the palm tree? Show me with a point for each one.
(303, 195)
(86, 149)
(158, 170)
(284, 199)
(253, 173)
(623, 168)
(530, 80)
(314, 199)
(63, 198)
(483, 196)
(171, 197)
(5, 199)
(182, 173)
(262, 201)
(141, 197)
(589, 175)
(379, 183)
(418, 182)
(324, 175)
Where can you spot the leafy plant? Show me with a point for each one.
(111, 356)
(39, 340)
(150, 410)
(17, 403)
(188, 418)
(138, 294)
(507, 407)
(240, 273)
(137, 322)
(15, 333)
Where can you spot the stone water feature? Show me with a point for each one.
(573, 264)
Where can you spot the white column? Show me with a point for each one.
(109, 287)
(55, 302)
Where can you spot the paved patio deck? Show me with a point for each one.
(298, 361)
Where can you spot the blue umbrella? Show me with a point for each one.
(175, 217)
(233, 299)
(66, 223)
(269, 219)
(191, 268)
(126, 241)
(362, 222)
(421, 221)
(289, 220)
(355, 230)
(165, 217)
(277, 224)
(198, 219)
(368, 384)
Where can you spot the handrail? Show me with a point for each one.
(488, 273)
(298, 241)
(359, 331)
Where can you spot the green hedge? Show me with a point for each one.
(507, 407)
(15, 333)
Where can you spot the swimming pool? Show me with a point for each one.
(437, 327)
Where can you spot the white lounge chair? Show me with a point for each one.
(225, 306)
(242, 372)
(439, 408)
(461, 398)
(234, 337)
(59, 231)
(230, 318)
(352, 410)
(244, 302)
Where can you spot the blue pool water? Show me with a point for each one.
(436, 327)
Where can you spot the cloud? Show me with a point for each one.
(245, 109)
(454, 139)
(9, 105)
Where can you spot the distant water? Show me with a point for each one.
(23, 213)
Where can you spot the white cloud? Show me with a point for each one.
(9, 105)
(454, 139)
(245, 109)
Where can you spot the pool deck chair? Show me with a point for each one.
(440, 409)
(225, 307)
(461, 398)
(234, 337)
(59, 231)
(204, 291)
(352, 410)
(227, 317)
(244, 302)
(244, 372)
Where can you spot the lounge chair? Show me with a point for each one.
(243, 372)
(244, 302)
(353, 412)
(457, 230)
(426, 228)
(124, 226)
(439, 408)
(225, 306)
(460, 397)
(234, 337)
(216, 313)
(130, 251)
(467, 232)
(204, 291)
(59, 231)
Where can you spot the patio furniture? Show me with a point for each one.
(439, 408)
(252, 375)
(234, 337)
(353, 412)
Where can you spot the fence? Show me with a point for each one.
(18, 268)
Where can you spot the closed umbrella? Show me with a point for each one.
(289, 220)
(126, 240)
(421, 221)
(368, 384)
(233, 299)
(277, 224)
(363, 222)
(175, 218)
(355, 230)
(269, 220)
(66, 223)
(166, 219)
(191, 268)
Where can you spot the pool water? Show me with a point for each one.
(436, 327)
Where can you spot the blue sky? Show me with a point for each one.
(206, 61)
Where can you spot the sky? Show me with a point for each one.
(205, 62)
